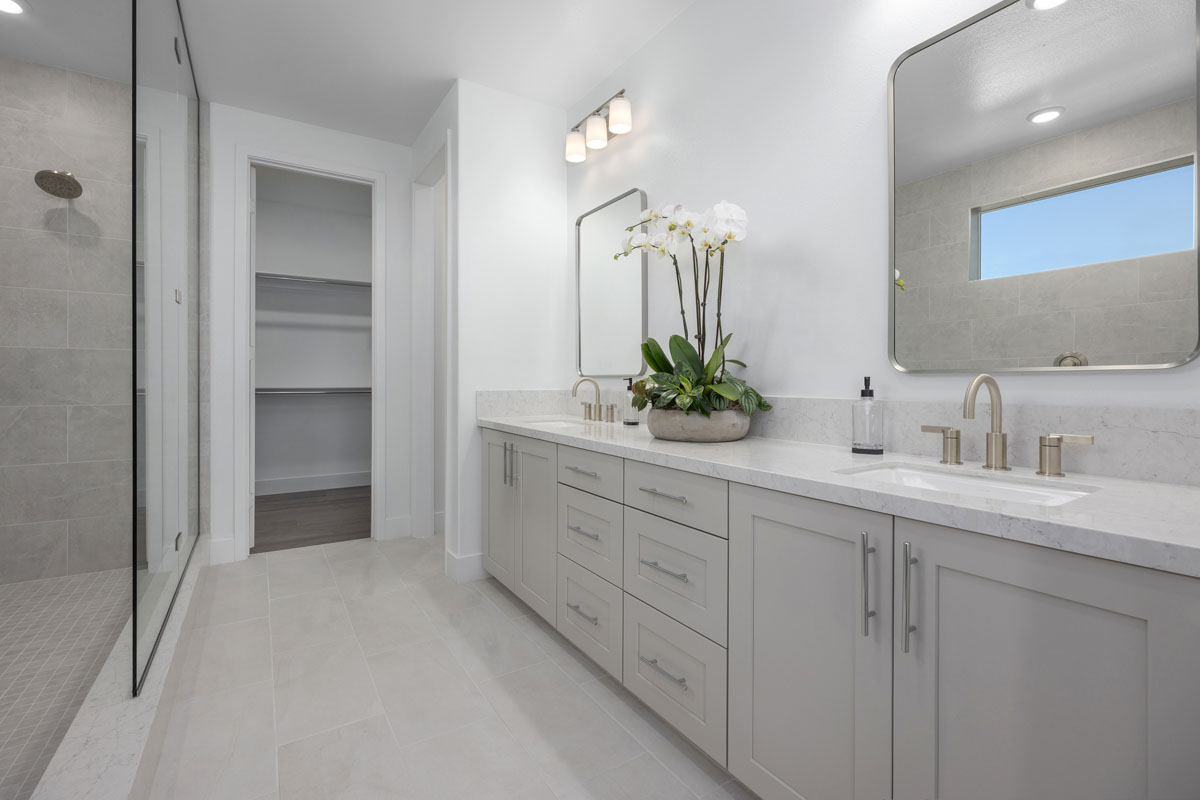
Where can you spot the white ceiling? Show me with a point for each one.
(380, 67)
(90, 36)
(966, 97)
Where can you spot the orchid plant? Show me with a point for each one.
(692, 379)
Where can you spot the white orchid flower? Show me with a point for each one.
(663, 243)
(730, 221)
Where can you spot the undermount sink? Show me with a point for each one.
(961, 481)
(556, 423)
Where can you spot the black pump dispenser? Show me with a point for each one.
(867, 391)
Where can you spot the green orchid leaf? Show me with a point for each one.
(735, 361)
(727, 390)
(683, 353)
(714, 362)
(655, 358)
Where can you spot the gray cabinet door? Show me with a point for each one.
(809, 693)
(1033, 673)
(499, 510)
(537, 531)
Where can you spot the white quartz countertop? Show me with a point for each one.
(1155, 525)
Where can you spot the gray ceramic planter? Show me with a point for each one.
(721, 426)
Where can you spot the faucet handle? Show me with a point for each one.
(1050, 451)
(951, 442)
(587, 411)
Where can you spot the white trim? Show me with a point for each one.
(439, 522)
(243, 283)
(397, 528)
(462, 569)
(311, 483)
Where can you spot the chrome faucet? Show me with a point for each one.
(591, 411)
(997, 439)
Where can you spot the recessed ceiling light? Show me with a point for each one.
(11, 7)
(1043, 115)
(1044, 5)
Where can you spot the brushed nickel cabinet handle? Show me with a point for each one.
(678, 498)
(574, 607)
(582, 532)
(507, 475)
(908, 630)
(582, 471)
(653, 664)
(866, 599)
(682, 576)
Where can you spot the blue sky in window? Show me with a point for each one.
(1135, 217)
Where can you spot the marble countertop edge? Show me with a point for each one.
(1153, 525)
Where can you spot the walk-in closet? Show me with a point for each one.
(311, 253)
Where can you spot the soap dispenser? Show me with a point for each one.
(868, 423)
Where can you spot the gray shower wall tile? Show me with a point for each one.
(33, 551)
(1093, 286)
(99, 101)
(33, 87)
(974, 300)
(41, 376)
(101, 320)
(34, 259)
(912, 232)
(32, 318)
(33, 435)
(99, 433)
(48, 492)
(933, 341)
(99, 543)
(1024, 335)
(948, 263)
(1170, 276)
(24, 205)
(104, 209)
(101, 265)
(1171, 325)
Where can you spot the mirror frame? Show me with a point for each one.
(891, 265)
(579, 295)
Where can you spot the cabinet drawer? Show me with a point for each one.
(680, 571)
(593, 472)
(694, 500)
(590, 532)
(589, 614)
(678, 673)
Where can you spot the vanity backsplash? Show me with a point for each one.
(1138, 443)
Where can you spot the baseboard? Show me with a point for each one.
(311, 483)
(223, 551)
(395, 528)
(462, 569)
(439, 522)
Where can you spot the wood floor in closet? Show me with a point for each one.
(301, 519)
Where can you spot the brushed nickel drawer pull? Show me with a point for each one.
(682, 576)
(581, 471)
(580, 612)
(907, 628)
(678, 498)
(582, 532)
(867, 613)
(653, 664)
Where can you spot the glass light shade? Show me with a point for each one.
(1044, 5)
(597, 132)
(575, 151)
(1044, 115)
(620, 116)
(11, 7)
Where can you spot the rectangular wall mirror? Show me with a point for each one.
(1043, 183)
(612, 292)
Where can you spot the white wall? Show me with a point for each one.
(782, 107)
(514, 316)
(235, 135)
(296, 240)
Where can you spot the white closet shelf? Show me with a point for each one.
(318, 390)
(278, 276)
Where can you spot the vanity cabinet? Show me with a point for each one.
(1037, 673)
(520, 525)
(810, 665)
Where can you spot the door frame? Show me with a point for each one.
(243, 322)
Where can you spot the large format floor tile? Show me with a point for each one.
(358, 670)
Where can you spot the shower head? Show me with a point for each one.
(59, 184)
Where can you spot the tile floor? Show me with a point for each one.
(55, 634)
(357, 670)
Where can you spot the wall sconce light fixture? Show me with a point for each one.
(611, 118)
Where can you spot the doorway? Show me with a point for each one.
(311, 359)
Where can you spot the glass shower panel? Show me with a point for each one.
(167, 320)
